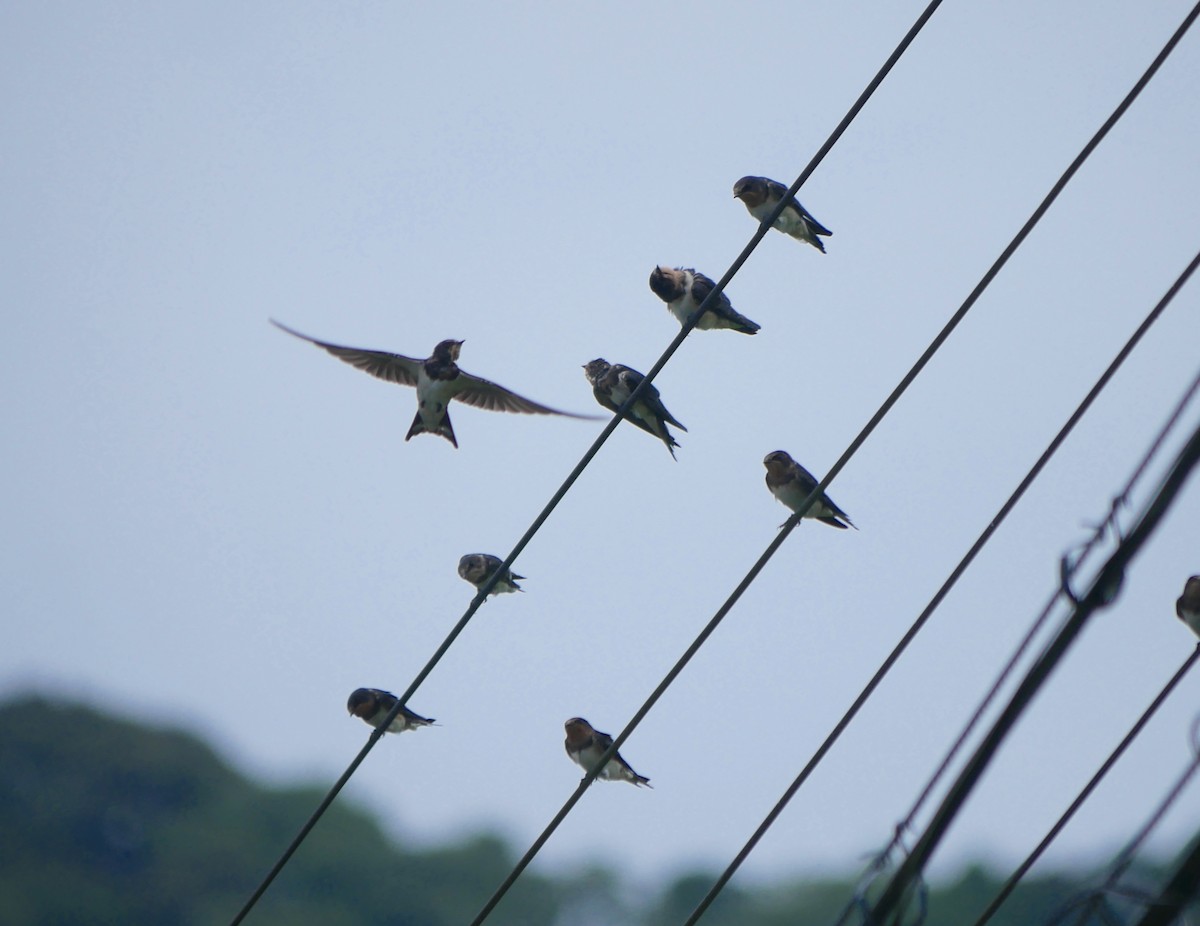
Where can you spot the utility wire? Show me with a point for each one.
(685, 329)
(936, 601)
(1083, 795)
(1125, 859)
(1038, 213)
(1099, 595)
(1177, 892)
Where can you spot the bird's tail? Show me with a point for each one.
(444, 429)
(742, 324)
(641, 781)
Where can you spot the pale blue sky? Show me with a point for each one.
(210, 523)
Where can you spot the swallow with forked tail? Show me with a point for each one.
(585, 745)
(437, 379)
(791, 483)
(683, 289)
(761, 195)
(373, 704)
(613, 384)
(477, 568)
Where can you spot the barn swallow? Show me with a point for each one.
(477, 568)
(791, 483)
(373, 704)
(761, 195)
(1187, 606)
(438, 380)
(683, 290)
(613, 383)
(585, 745)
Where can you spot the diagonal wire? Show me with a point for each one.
(1083, 795)
(1099, 595)
(1176, 893)
(936, 601)
(942, 336)
(635, 395)
(1125, 859)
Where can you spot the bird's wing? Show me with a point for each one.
(702, 286)
(485, 394)
(395, 368)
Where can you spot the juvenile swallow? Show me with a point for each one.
(613, 383)
(373, 704)
(683, 289)
(791, 483)
(1187, 606)
(585, 745)
(477, 568)
(761, 195)
(438, 380)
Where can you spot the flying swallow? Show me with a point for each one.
(438, 380)
(373, 704)
(1187, 606)
(585, 745)
(683, 290)
(791, 483)
(761, 195)
(477, 568)
(613, 383)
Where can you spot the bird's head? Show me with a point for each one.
(594, 370)
(362, 702)
(666, 283)
(448, 350)
(750, 190)
(777, 459)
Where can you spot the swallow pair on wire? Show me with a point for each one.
(438, 379)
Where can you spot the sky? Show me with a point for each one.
(210, 524)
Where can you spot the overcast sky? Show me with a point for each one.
(209, 523)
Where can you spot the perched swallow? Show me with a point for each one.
(585, 745)
(684, 289)
(760, 195)
(613, 383)
(373, 704)
(477, 568)
(791, 483)
(438, 380)
(1188, 604)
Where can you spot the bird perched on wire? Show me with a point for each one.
(1187, 606)
(438, 379)
(477, 568)
(791, 483)
(585, 745)
(683, 289)
(373, 704)
(613, 384)
(761, 195)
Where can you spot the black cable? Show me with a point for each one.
(941, 593)
(1176, 893)
(1083, 795)
(1099, 595)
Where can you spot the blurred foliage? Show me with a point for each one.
(107, 821)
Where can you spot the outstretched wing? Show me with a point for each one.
(394, 368)
(483, 393)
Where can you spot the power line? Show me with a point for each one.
(1083, 795)
(830, 475)
(940, 595)
(1125, 859)
(685, 329)
(1099, 595)
(1176, 893)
